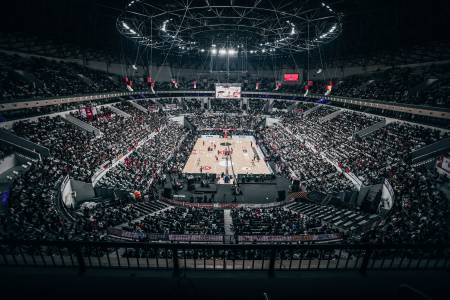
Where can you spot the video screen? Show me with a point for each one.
(291, 77)
(227, 91)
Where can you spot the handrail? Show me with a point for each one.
(220, 257)
(337, 246)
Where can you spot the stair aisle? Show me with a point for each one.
(228, 222)
(342, 218)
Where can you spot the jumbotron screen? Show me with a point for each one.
(291, 77)
(228, 91)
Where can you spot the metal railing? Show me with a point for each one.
(179, 257)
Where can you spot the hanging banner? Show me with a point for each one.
(278, 86)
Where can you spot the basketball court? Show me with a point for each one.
(216, 155)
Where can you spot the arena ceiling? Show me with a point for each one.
(230, 27)
(366, 26)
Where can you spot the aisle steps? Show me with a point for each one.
(147, 208)
(341, 218)
(228, 222)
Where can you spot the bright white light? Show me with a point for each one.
(125, 25)
(232, 52)
(213, 45)
(213, 51)
(222, 51)
(202, 50)
(263, 50)
(164, 27)
(134, 67)
(132, 31)
(292, 30)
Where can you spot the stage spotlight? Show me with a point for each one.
(214, 51)
(134, 67)
(222, 51)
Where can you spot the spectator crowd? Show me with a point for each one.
(319, 148)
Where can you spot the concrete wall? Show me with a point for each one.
(66, 193)
(7, 163)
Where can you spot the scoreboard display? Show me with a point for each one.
(291, 77)
(228, 90)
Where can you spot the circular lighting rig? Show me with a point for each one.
(230, 27)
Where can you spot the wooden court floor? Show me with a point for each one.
(214, 161)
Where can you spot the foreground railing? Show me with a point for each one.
(219, 257)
